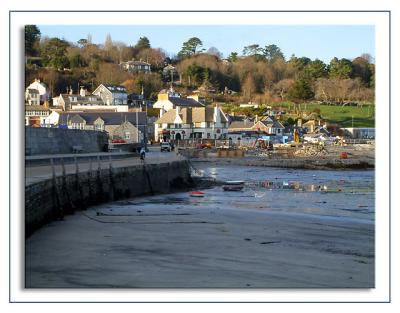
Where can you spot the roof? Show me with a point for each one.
(133, 62)
(241, 124)
(191, 115)
(83, 100)
(277, 124)
(168, 117)
(113, 88)
(185, 102)
(31, 90)
(109, 118)
(36, 108)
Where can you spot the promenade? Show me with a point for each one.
(85, 162)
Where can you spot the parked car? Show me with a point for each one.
(165, 146)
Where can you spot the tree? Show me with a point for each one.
(32, 35)
(108, 44)
(195, 75)
(273, 52)
(315, 69)
(214, 51)
(82, 42)
(54, 53)
(253, 50)
(300, 91)
(233, 57)
(340, 69)
(190, 47)
(143, 43)
(249, 87)
(362, 69)
(296, 66)
(282, 87)
(155, 57)
(77, 61)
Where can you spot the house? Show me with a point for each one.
(112, 95)
(266, 126)
(169, 99)
(32, 96)
(41, 89)
(136, 66)
(35, 115)
(84, 102)
(184, 122)
(138, 101)
(312, 124)
(170, 72)
(116, 124)
(360, 133)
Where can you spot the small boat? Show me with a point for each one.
(234, 182)
(232, 187)
(197, 194)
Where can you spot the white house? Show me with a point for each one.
(169, 99)
(136, 66)
(32, 97)
(112, 95)
(191, 122)
(35, 115)
(85, 102)
(41, 88)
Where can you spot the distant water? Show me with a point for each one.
(334, 194)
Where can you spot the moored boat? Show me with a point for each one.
(196, 194)
(233, 187)
(234, 182)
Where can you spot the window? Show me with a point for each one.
(127, 135)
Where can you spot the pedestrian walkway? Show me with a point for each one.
(45, 159)
(36, 173)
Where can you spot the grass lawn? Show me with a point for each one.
(346, 116)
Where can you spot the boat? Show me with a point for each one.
(233, 187)
(197, 194)
(234, 182)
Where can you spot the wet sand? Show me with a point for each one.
(180, 247)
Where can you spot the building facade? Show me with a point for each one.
(191, 123)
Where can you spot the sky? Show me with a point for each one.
(313, 41)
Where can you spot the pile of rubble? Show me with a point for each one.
(311, 151)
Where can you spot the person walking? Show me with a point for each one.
(142, 154)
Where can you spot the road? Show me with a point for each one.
(37, 173)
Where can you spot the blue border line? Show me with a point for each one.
(198, 11)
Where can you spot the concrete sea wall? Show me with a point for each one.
(53, 198)
(41, 140)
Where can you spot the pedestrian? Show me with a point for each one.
(142, 153)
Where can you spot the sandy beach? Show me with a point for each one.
(145, 243)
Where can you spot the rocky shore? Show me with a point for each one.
(356, 157)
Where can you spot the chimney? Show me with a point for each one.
(71, 92)
(82, 92)
(217, 116)
(256, 119)
(300, 122)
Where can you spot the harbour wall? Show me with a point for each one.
(53, 198)
(42, 140)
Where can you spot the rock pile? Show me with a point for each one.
(311, 151)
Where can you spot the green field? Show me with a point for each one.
(345, 116)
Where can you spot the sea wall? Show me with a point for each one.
(42, 140)
(53, 198)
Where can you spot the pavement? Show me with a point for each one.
(84, 162)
